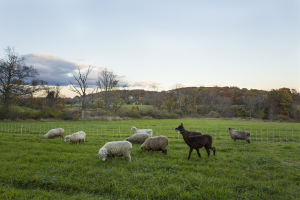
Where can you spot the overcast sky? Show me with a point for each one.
(248, 44)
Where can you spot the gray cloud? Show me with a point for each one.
(55, 70)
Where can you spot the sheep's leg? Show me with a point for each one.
(191, 149)
(128, 158)
(164, 151)
(198, 153)
(248, 141)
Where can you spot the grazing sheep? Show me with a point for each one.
(135, 130)
(240, 135)
(58, 132)
(197, 142)
(117, 148)
(76, 137)
(138, 138)
(159, 143)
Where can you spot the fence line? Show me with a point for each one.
(218, 133)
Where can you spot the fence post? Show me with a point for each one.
(293, 134)
(279, 136)
(256, 135)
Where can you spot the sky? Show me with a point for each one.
(163, 43)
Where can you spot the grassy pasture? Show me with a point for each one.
(141, 107)
(35, 168)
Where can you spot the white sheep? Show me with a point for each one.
(240, 135)
(138, 138)
(158, 143)
(116, 148)
(58, 132)
(76, 137)
(135, 130)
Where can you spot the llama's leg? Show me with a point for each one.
(191, 149)
(198, 153)
(214, 149)
(208, 152)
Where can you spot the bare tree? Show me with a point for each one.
(107, 83)
(17, 80)
(82, 90)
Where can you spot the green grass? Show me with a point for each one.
(21, 108)
(35, 168)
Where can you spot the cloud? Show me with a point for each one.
(145, 84)
(54, 69)
(79, 59)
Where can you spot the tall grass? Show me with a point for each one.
(36, 168)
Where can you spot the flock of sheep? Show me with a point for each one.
(195, 140)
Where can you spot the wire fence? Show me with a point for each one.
(291, 135)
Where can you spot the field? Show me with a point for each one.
(35, 168)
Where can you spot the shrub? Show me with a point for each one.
(130, 113)
(179, 112)
(67, 115)
(103, 112)
(213, 114)
(282, 118)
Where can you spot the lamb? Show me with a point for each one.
(58, 132)
(76, 137)
(135, 130)
(159, 143)
(241, 135)
(197, 142)
(138, 138)
(116, 148)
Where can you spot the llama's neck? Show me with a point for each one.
(185, 136)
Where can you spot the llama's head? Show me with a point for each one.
(179, 128)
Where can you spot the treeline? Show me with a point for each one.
(227, 102)
(278, 104)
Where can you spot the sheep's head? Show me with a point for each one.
(143, 147)
(179, 128)
(230, 128)
(67, 138)
(133, 128)
(102, 154)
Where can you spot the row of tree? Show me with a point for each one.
(228, 102)
(19, 86)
